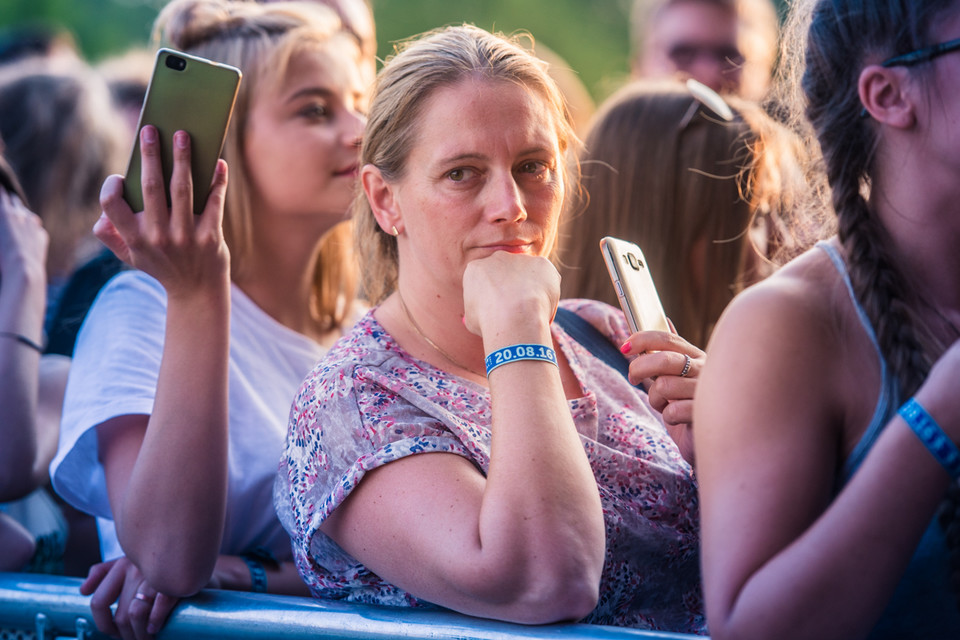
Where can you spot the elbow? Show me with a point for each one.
(179, 584)
(555, 596)
(176, 575)
(565, 602)
(17, 479)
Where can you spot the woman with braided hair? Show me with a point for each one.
(828, 417)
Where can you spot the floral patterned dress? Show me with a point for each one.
(369, 402)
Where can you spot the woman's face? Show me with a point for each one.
(302, 136)
(485, 175)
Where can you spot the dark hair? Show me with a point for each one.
(842, 34)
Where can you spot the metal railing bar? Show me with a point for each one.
(249, 616)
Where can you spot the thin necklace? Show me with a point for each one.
(416, 327)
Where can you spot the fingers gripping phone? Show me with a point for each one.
(192, 94)
(634, 285)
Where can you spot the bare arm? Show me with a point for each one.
(780, 559)
(167, 473)
(17, 543)
(526, 542)
(23, 251)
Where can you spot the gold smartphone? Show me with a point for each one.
(192, 94)
(634, 285)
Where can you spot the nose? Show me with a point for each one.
(354, 123)
(505, 202)
(719, 74)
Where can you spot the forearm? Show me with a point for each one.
(835, 580)
(171, 516)
(233, 573)
(540, 522)
(22, 300)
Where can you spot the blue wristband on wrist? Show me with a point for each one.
(255, 561)
(518, 352)
(932, 436)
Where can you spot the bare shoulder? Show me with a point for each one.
(771, 394)
(797, 310)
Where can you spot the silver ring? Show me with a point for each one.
(686, 366)
(143, 597)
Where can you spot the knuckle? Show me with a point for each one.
(152, 186)
(99, 601)
(181, 189)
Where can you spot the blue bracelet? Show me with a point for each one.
(520, 352)
(932, 436)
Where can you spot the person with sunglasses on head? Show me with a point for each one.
(703, 185)
(828, 417)
(460, 447)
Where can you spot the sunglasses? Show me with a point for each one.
(918, 56)
(708, 98)
(922, 55)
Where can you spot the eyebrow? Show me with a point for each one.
(309, 92)
(479, 156)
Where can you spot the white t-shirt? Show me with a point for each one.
(114, 373)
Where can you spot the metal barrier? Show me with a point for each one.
(51, 607)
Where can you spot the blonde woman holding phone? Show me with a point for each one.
(183, 373)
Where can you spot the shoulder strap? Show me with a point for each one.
(592, 339)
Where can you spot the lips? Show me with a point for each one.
(350, 171)
(511, 246)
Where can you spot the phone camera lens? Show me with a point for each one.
(635, 263)
(176, 63)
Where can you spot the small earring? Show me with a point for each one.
(393, 231)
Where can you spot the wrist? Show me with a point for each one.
(517, 353)
(928, 431)
(505, 325)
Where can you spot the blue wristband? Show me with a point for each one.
(518, 352)
(932, 436)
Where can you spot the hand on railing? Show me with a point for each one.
(141, 610)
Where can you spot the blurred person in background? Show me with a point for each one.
(728, 45)
(702, 185)
(27, 439)
(62, 140)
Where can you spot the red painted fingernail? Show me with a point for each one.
(626, 347)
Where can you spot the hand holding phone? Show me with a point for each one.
(192, 94)
(634, 285)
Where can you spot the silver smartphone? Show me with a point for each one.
(192, 94)
(634, 285)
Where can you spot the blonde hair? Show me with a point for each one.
(437, 59)
(261, 40)
(62, 141)
(663, 171)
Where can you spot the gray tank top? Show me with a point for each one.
(923, 605)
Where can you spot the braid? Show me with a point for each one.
(841, 32)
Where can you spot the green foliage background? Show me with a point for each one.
(591, 35)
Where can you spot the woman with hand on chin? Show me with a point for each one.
(184, 372)
(552, 490)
